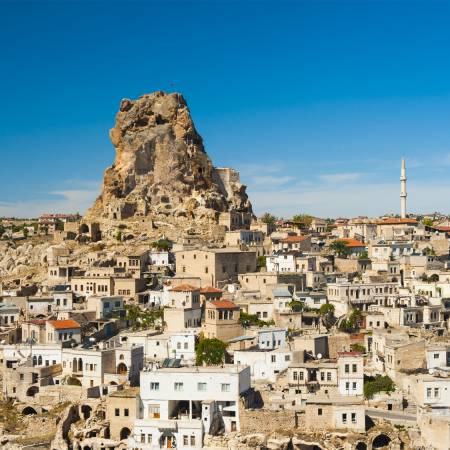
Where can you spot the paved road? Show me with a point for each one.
(390, 415)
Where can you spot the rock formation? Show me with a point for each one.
(162, 171)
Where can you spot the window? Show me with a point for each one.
(301, 375)
(154, 386)
(225, 387)
(328, 376)
(287, 357)
(436, 392)
(154, 411)
(126, 412)
(142, 438)
(295, 375)
(178, 386)
(347, 368)
(322, 376)
(428, 392)
(354, 368)
(353, 417)
(319, 412)
(185, 440)
(117, 412)
(192, 441)
(436, 356)
(149, 438)
(273, 358)
(201, 386)
(344, 418)
(347, 386)
(354, 385)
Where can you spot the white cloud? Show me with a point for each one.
(60, 201)
(340, 177)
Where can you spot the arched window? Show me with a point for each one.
(39, 360)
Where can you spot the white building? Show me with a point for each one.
(95, 366)
(156, 258)
(265, 365)
(39, 354)
(271, 338)
(158, 346)
(62, 301)
(350, 373)
(105, 306)
(180, 405)
(438, 356)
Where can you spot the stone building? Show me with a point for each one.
(221, 320)
(122, 409)
(183, 309)
(215, 267)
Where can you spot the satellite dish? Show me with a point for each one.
(319, 355)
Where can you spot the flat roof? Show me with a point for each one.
(229, 368)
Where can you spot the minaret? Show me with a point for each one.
(403, 190)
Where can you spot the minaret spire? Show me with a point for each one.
(403, 190)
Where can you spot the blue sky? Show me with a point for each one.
(313, 102)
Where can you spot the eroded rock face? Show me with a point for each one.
(161, 169)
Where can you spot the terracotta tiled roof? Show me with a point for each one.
(350, 242)
(37, 322)
(294, 239)
(442, 228)
(184, 288)
(223, 304)
(210, 290)
(397, 221)
(64, 324)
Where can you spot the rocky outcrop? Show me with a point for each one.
(162, 171)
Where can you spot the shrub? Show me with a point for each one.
(378, 384)
(210, 352)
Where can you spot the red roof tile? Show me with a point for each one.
(210, 290)
(350, 242)
(396, 221)
(184, 288)
(442, 228)
(294, 239)
(64, 324)
(223, 304)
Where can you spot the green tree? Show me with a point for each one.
(119, 235)
(210, 352)
(326, 312)
(261, 262)
(373, 385)
(326, 309)
(357, 348)
(296, 305)
(268, 218)
(252, 319)
(433, 278)
(427, 222)
(162, 245)
(340, 248)
(306, 219)
(351, 324)
(59, 225)
(363, 255)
